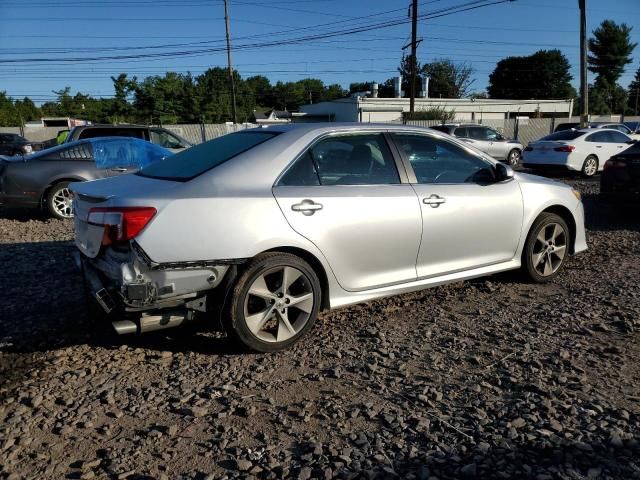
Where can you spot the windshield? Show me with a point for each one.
(563, 135)
(201, 158)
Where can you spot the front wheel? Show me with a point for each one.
(590, 166)
(275, 301)
(546, 248)
(59, 201)
(514, 157)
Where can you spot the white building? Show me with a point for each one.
(358, 108)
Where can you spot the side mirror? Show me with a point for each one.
(631, 142)
(504, 172)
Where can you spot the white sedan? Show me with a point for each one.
(583, 151)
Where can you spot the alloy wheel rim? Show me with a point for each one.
(549, 249)
(514, 158)
(590, 167)
(278, 304)
(62, 203)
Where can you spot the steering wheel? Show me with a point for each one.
(443, 174)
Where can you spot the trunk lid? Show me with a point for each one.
(125, 190)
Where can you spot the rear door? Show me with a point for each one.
(620, 140)
(345, 194)
(479, 138)
(469, 218)
(603, 145)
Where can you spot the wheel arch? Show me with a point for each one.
(52, 183)
(564, 213)
(317, 266)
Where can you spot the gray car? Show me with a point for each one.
(42, 179)
(264, 228)
(486, 139)
(156, 135)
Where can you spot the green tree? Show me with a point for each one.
(123, 87)
(405, 71)
(610, 50)
(634, 94)
(448, 79)
(261, 88)
(8, 113)
(543, 75)
(356, 87)
(27, 110)
(606, 98)
(333, 92)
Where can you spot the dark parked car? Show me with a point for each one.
(156, 135)
(14, 144)
(620, 178)
(41, 180)
(633, 126)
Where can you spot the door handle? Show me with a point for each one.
(598, 146)
(118, 169)
(434, 201)
(307, 207)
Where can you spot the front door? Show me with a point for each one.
(470, 219)
(344, 194)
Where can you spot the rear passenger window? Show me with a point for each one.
(301, 174)
(363, 159)
(112, 132)
(461, 132)
(597, 137)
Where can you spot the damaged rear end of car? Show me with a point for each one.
(136, 293)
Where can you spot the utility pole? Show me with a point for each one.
(233, 86)
(414, 60)
(584, 88)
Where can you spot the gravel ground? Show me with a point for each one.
(485, 379)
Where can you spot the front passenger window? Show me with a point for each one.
(437, 161)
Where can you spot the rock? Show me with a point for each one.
(305, 473)
(243, 465)
(469, 470)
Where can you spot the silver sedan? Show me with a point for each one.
(262, 229)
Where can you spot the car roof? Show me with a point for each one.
(298, 130)
(109, 125)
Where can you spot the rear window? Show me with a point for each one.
(201, 158)
(441, 128)
(564, 135)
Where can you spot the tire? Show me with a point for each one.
(514, 157)
(59, 201)
(260, 315)
(590, 166)
(541, 260)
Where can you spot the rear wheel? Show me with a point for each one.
(590, 166)
(59, 201)
(546, 248)
(274, 303)
(514, 157)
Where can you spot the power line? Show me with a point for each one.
(335, 33)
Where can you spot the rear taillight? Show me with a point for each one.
(614, 164)
(565, 148)
(528, 149)
(121, 224)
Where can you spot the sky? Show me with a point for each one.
(192, 32)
